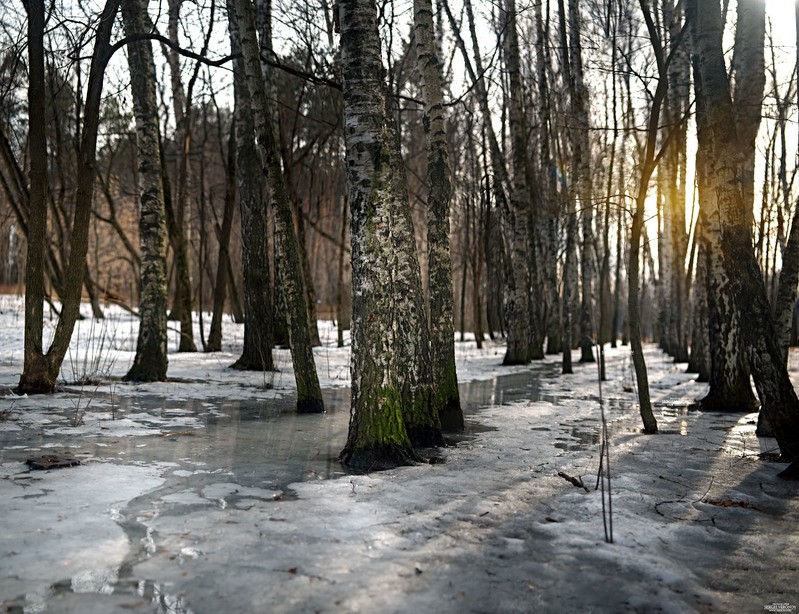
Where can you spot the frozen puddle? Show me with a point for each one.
(81, 532)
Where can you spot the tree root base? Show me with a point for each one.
(377, 458)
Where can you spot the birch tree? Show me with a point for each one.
(258, 299)
(150, 363)
(730, 389)
(391, 386)
(727, 146)
(446, 399)
(309, 394)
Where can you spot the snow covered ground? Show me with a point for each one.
(207, 493)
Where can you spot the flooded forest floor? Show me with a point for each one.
(208, 493)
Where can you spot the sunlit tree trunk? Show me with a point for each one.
(391, 384)
(309, 395)
(728, 150)
(637, 232)
(446, 399)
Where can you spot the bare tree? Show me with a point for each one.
(309, 395)
(40, 369)
(446, 399)
(150, 363)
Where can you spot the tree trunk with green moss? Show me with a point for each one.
(446, 398)
(391, 382)
(150, 363)
(309, 394)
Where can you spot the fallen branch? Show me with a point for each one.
(578, 481)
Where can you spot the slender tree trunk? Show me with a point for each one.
(309, 394)
(648, 165)
(343, 295)
(176, 207)
(581, 173)
(40, 371)
(445, 398)
(789, 275)
(568, 207)
(258, 300)
(699, 361)
(549, 209)
(150, 363)
(220, 287)
(280, 331)
(307, 280)
(35, 372)
(515, 212)
(634, 309)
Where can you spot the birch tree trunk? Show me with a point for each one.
(789, 275)
(176, 221)
(280, 332)
(150, 363)
(567, 201)
(729, 370)
(581, 172)
(391, 384)
(446, 398)
(258, 299)
(727, 154)
(699, 361)
(522, 207)
(309, 394)
(515, 212)
(549, 207)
